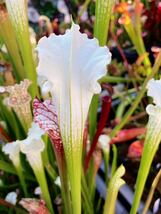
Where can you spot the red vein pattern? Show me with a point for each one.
(46, 117)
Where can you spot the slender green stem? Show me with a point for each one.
(45, 156)
(124, 93)
(74, 169)
(17, 164)
(98, 205)
(86, 202)
(131, 32)
(93, 116)
(142, 52)
(22, 180)
(121, 108)
(135, 34)
(43, 185)
(36, 163)
(84, 7)
(50, 170)
(138, 98)
(114, 160)
(86, 195)
(65, 189)
(141, 47)
(106, 156)
(115, 184)
(151, 193)
(66, 194)
(44, 188)
(112, 79)
(91, 179)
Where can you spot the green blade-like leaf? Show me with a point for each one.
(8, 37)
(18, 16)
(6, 167)
(152, 141)
(103, 16)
